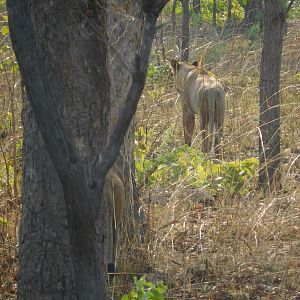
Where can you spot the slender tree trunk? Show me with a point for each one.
(253, 13)
(269, 142)
(173, 17)
(162, 44)
(197, 7)
(185, 31)
(229, 13)
(157, 54)
(215, 13)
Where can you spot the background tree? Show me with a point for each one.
(269, 124)
(173, 17)
(214, 13)
(229, 13)
(63, 62)
(253, 12)
(184, 54)
(197, 7)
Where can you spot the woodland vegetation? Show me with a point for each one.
(207, 229)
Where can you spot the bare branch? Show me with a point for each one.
(111, 151)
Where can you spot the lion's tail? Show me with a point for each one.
(211, 106)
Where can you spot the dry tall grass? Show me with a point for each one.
(233, 246)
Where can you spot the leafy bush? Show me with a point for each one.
(252, 34)
(158, 74)
(168, 8)
(189, 164)
(146, 290)
(7, 59)
(234, 177)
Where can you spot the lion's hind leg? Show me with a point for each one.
(188, 124)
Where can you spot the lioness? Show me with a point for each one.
(114, 195)
(203, 95)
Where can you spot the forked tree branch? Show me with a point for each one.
(60, 147)
(107, 157)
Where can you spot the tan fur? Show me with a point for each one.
(114, 195)
(203, 95)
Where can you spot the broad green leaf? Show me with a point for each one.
(3, 221)
(4, 30)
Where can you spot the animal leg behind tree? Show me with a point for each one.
(188, 125)
(114, 194)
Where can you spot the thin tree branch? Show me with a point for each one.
(111, 151)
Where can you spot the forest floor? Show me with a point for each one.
(211, 237)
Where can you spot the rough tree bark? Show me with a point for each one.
(269, 124)
(68, 51)
(184, 54)
(62, 53)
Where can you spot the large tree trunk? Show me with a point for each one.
(269, 142)
(61, 49)
(72, 54)
(184, 56)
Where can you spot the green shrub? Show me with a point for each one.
(158, 73)
(146, 290)
(253, 33)
(189, 164)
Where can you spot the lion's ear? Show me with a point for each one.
(195, 63)
(174, 64)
